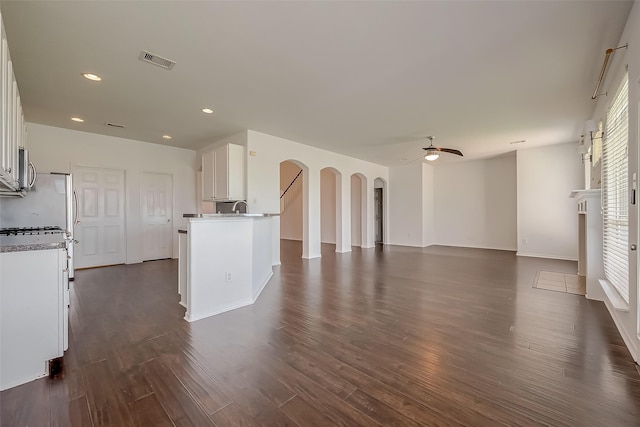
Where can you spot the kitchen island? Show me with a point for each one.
(228, 262)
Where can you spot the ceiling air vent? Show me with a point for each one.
(154, 59)
(114, 125)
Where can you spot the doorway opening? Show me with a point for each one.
(292, 204)
(330, 207)
(358, 210)
(378, 205)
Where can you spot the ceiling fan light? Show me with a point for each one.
(431, 156)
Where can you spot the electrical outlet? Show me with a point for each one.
(227, 277)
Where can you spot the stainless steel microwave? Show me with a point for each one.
(26, 170)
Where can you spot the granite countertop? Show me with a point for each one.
(32, 242)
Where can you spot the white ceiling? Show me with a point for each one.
(367, 79)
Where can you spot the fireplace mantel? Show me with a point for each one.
(590, 240)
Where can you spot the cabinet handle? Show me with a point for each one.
(32, 168)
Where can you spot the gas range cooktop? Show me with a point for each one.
(29, 231)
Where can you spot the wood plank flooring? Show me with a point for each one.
(389, 336)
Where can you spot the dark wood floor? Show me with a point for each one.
(392, 336)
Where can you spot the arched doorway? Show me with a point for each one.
(380, 207)
(292, 205)
(331, 207)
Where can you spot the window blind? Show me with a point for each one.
(615, 192)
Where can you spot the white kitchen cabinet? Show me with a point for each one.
(33, 311)
(12, 124)
(223, 173)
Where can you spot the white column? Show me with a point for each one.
(311, 214)
(368, 223)
(343, 213)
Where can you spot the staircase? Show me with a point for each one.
(293, 190)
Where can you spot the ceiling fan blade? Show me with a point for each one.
(443, 150)
(451, 151)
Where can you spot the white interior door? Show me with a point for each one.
(100, 230)
(157, 209)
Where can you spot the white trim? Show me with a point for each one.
(189, 318)
(580, 194)
(546, 256)
(311, 256)
(628, 340)
(343, 252)
(21, 381)
(266, 280)
(613, 296)
(491, 248)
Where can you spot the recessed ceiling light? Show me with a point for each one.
(166, 136)
(77, 119)
(94, 77)
(207, 110)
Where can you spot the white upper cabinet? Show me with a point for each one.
(223, 173)
(12, 124)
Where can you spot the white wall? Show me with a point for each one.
(406, 216)
(627, 322)
(327, 206)
(547, 217)
(475, 203)
(263, 183)
(59, 150)
(428, 205)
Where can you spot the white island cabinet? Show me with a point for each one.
(228, 262)
(34, 314)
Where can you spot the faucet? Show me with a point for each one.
(233, 208)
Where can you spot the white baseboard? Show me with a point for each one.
(21, 381)
(617, 308)
(264, 284)
(192, 318)
(546, 256)
(344, 252)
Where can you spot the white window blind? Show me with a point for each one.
(615, 192)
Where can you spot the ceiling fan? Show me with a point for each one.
(432, 153)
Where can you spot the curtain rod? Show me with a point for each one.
(604, 69)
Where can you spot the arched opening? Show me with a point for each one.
(380, 208)
(292, 207)
(358, 210)
(330, 207)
